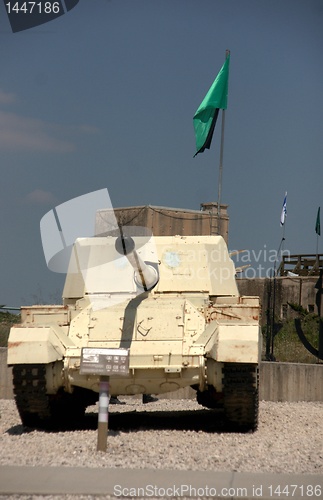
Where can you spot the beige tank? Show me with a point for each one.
(170, 303)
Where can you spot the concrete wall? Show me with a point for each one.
(298, 290)
(291, 382)
(278, 382)
(165, 221)
(6, 391)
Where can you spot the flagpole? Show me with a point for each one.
(227, 53)
(283, 239)
(272, 326)
(318, 233)
(317, 252)
(272, 357)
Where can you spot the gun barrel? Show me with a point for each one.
(146, 276)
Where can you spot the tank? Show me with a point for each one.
(170, 303)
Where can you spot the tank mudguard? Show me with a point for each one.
(229, 342)
(37, 344)
(238, 342)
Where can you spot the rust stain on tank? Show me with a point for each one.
(12, 345)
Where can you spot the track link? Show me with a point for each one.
(33, 404)
(240, 396)
(48, 411)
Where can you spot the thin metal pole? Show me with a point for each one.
(227, 53)
(273, 315)
(268, 315)
(274, 298)
(221, 171)
(318, 231)
(103, 413)
(282, 241)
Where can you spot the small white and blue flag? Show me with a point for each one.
(284, 211)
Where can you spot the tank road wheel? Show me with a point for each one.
(39, 409)
(240, 396)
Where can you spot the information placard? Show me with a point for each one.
(104, 361)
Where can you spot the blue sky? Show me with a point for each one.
(104, 96)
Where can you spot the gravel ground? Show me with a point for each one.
(173, 434)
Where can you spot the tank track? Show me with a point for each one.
(49, 411)
(29, 382)
(209, 398)
(240, 396)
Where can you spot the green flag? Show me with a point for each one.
(205, 117)
(318, 223)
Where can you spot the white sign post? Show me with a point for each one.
(104, 362)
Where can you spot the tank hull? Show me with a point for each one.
(192, 329)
